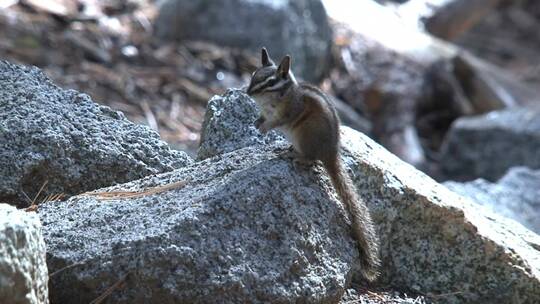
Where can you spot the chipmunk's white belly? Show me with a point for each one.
(269, 111)
(267, 106)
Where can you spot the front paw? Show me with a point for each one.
(262, 125)
(264, 128)
(289, 153)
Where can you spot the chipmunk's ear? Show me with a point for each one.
(265, 58)
(284, 67)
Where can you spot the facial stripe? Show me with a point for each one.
(268, 81)
(280, 84)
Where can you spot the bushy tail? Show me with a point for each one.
(363, 230)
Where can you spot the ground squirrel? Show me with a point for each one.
(309, 120)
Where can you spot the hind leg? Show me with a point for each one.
(317, 143)
(297, 157)
(302, 161)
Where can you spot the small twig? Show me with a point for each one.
(65, 268)
(33, 202)
(27, 197)
(46, 198)
(53, 197)
(49, 198)
(115, 195)
(31, 208)
(109, 290)
(80, 263)
(59, 197)
(374, 294)
(39, 192)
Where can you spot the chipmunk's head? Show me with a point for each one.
(269, 79)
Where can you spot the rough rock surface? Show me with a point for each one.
(62, 138)
(486, 146)
(23, 270)
(251, 226)
(516, 195)
(298, 27)
(229, 123)
(436, 242)
(246, 228)
(433, 240)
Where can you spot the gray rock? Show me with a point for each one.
(23, 269)
(299, 28)
(62, 138)
(433, 240)
(436, 242)
(246, 228)
(249, 226)
(516, 195)
(486, 146)
(229, 125)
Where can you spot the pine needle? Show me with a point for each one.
(65, 268)
(115, 195)
(109, 290)
(39, 192)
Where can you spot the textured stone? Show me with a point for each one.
(62, 138)
(250, 226)
(516, 195)
(433, 240)
(23, 270)
(486, 146)
(298, 27)
(229, 124)
(247, 228)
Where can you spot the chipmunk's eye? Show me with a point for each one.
(272, 81)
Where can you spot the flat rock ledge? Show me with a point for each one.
(23, 270)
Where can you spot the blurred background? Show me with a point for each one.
(403, 72)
